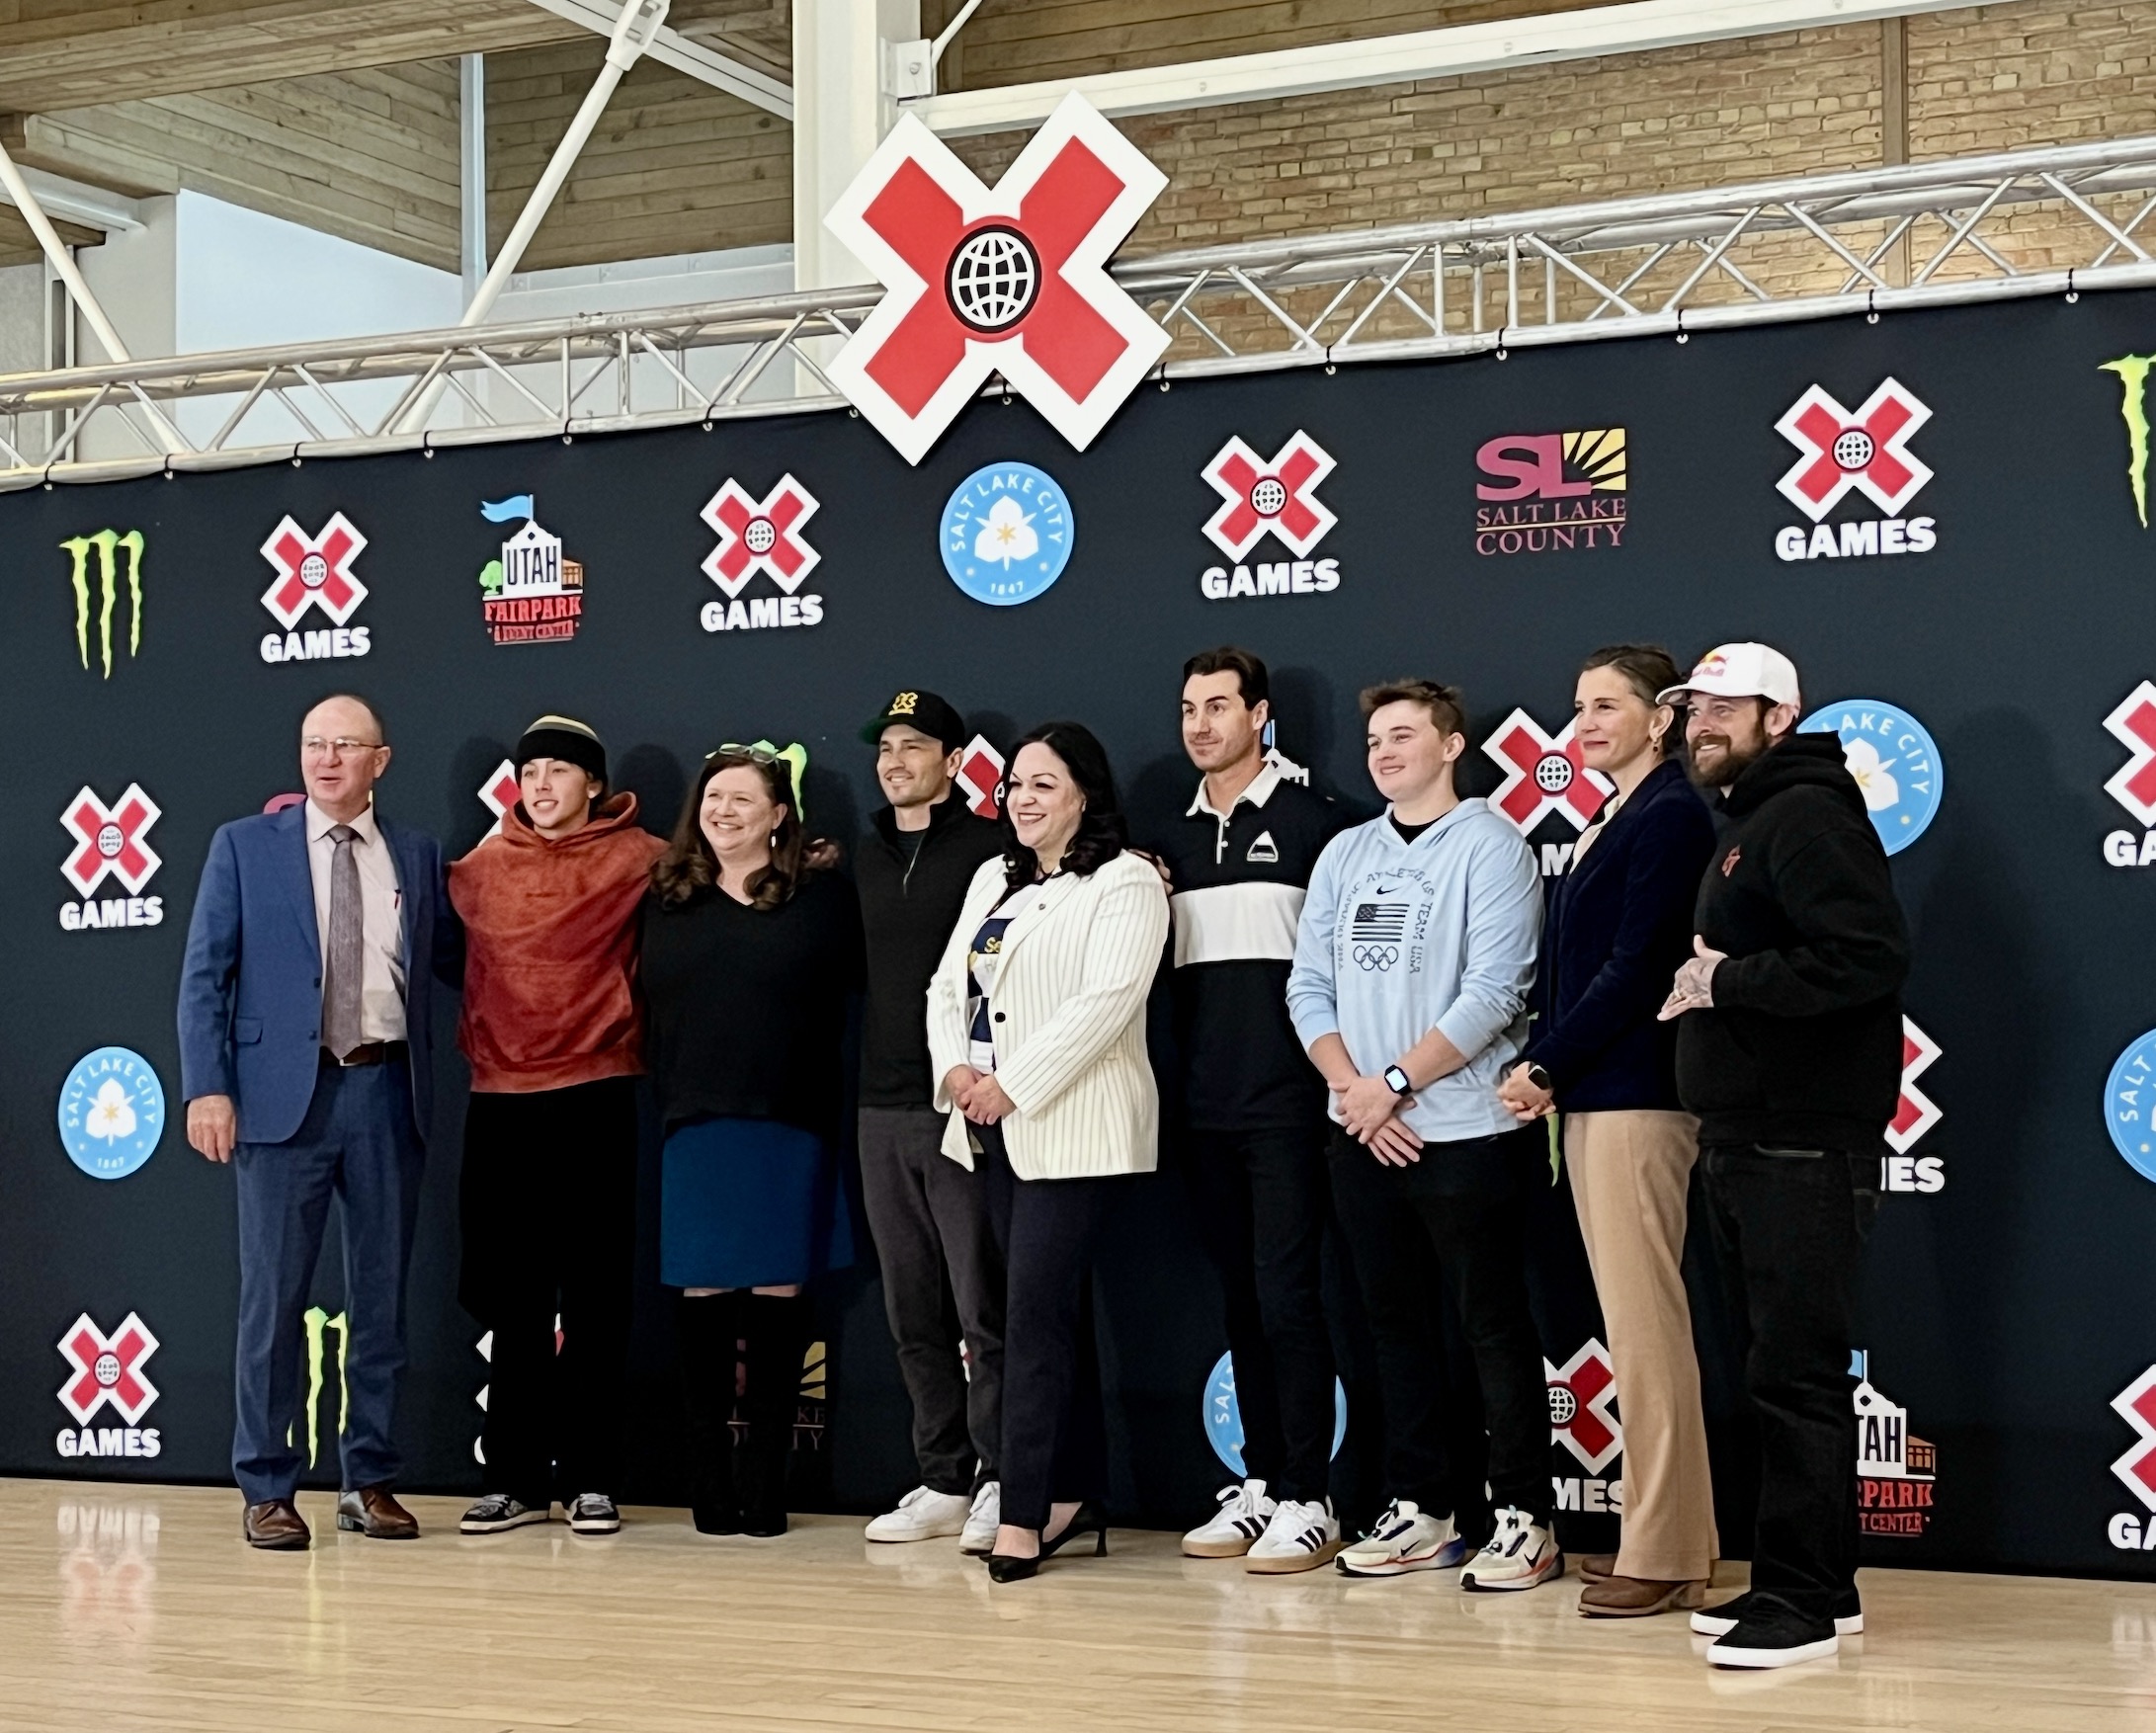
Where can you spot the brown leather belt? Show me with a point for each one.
(368, 1053)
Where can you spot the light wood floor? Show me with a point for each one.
(141, 1608)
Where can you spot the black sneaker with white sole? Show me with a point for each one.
(498, 1510)
(1715, 1622)
(1773, 1633)
(594, 1513)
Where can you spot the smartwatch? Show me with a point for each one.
(1539, 1077)
(1396, 1080)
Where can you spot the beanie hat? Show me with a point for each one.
(567, 739)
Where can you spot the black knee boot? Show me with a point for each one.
(709, 1327)
(776, 1338)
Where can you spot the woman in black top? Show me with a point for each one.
(749, 955)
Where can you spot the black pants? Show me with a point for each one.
(548, 1205)
(930, 1220)
(1263, 1203)
(1462, 1210)
(1054, 1444)
(1789, 1227)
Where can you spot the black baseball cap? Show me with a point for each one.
(923, 710)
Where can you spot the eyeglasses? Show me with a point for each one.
(314, 746)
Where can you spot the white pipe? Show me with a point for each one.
(471, 170)
(944, 35)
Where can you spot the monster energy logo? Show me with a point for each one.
(318, 1321)
(107, 543)
(2132, 371)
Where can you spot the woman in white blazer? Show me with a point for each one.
(1036, 1033)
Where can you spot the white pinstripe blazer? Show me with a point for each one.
(1068, 1014)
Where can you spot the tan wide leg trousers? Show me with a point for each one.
(1630, 1173)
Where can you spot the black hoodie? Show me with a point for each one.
(1804, 1046)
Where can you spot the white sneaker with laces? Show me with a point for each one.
(594, 1513)
(1244, 1513)
(1518, 1555)
(921, 1515)
(1301, 1537)
(1404, 1538)
(983, 1520)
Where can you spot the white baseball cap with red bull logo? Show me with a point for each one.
(1745, 670)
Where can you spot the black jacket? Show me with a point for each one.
(1618, 925)
(908, 905)
(1803, 1044)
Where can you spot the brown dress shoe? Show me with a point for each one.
(276, 1526)
(1597, 1567)
(371, 1512)
(1634, 1598)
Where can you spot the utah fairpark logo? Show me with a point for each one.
(1915, 1113)
(111, 1113)
(1896, 1472)
(1276, 498)
(1544, 774)
(1895, 764)
(107, 845)
(1863, 450)
(1551, 493)
(532, 593)
(106, 545)
(760, 536)
(106, 1373)
(1006, 534)
(1011, 282)
(314, 573)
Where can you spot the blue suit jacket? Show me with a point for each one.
(251, 984)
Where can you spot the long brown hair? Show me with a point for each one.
(689, 867)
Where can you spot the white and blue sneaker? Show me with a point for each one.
(1520, 1554)
(1404, 1538)
(1300, 1536)
(1244, 1515)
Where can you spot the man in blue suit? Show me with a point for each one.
(305, 1060)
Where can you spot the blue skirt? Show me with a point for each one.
(750, 1203)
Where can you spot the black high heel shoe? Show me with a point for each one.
(1090, 1518)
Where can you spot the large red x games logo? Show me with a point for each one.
(314, 571)
(109, 840)
(980, 777)
(2137, 1406)
(1011, 281)
(1868, 449)
(1580, 1394)
(760, 535)
(108, 1370)
(2134, 726)
(1544, 774)
(1257, 496)
(1915, 1113)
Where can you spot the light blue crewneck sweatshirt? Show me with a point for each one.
(1398, 939)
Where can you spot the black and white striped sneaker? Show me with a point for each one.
(1301, 1537)
(1243, 1514)
(594, 1513)
(498, 1510)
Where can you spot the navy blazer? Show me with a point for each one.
(251, 982)
(1618, 925)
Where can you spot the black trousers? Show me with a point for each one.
(548, 1205)
(1789, 1227)
(1462, 1211)
(1054, 1444)
(938, 1252)
(1263, 1203)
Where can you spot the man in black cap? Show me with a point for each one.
(926, 1211)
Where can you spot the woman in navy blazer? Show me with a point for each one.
(1618, 926)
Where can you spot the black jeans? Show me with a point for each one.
(930, 1220)
(1789, 1227)
(1054, 1444)
(1461, 1210)
(548, 1205)
(1263, 1203)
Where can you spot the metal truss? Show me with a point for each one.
(2024, 223)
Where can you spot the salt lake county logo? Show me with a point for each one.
(1896, 1472)
(108, 844)
(105, 1373)
(1863, 451)
(1224, 1418)
(1552, 493)
(760, 538)
(2130, 1097)
(314, 575)
(1274, 498)
(1006, 534)
(1895, 764)
(111, 1113)
(532, 593)
(102, 601)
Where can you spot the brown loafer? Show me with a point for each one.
(1636, 1598)
(276, 1526)
(371, 1512)
(1597, 1567)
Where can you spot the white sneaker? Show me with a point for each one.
(1404, 1538)
(1243, 1514)
(983, 1520)
(921, 1515)
(1301, 1537)
(1518, 1555)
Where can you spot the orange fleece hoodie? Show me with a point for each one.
(550, 994)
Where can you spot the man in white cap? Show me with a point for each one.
(1789, 1053)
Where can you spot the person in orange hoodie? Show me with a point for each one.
(554, 1027)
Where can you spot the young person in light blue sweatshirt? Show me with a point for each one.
(1413, 961)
